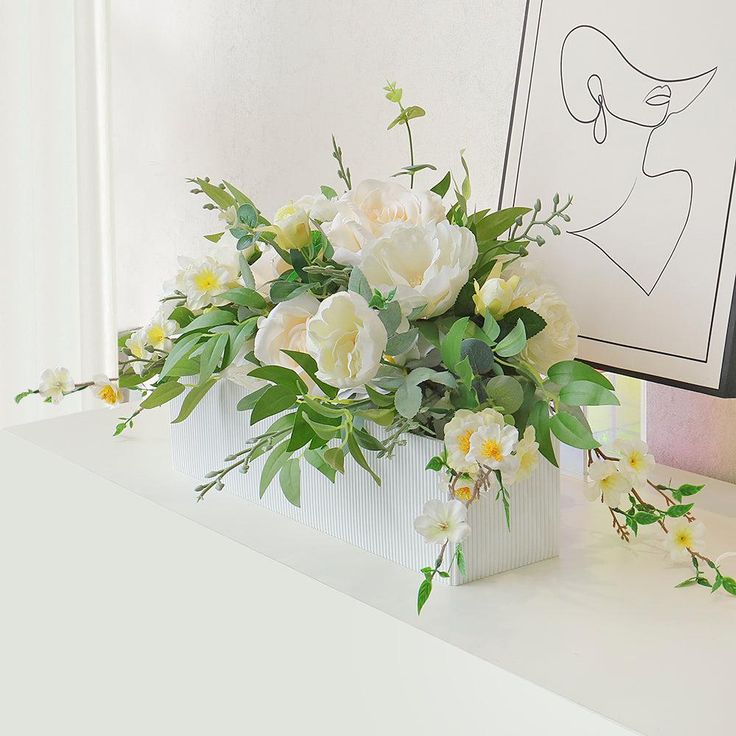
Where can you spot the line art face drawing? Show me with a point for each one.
(602, 89)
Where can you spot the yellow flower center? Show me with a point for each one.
(491, 449)
(108, 394)
(155, 335)
(205, 280)
(464, 493)
(683, 538)
(636, 461)
(608, 481)
(415, 279)
(464, 441)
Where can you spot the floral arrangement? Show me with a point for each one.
(399, 307)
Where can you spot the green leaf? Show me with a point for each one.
(478, 353)
(368, 441)
(219, 196)
(729, 585)
(182, 348)
(195, 395)
(687, 489)
(182, 316)
(425, 590)
(568, 371)
(534, 323)
(450, 346)
(587, 393)
(507, 392)
(435, 463)
(282, 291)
(248, 214)
(240, 198)
(686, 583)
(211, 356)
(443, 185)
(402, 342)
(276, 399)
(214, 238)
(408, 113)
(278, 456)
(249, 401)
(357, 453)
(514, 342)
(309, 365)
(679, 509)
(163, 393)
(125, 380)
(290, 480)
(497, 223)
(460, 559)
(491, 328)
(245, 297)
(570, 430)
(316, 459)
(281, 376)
(359, 284)
(644, 517)
(335, 458)
(408, 400)
(329, 192)
(391, 317)
(211, 318)
(415, 169)
(302, 433)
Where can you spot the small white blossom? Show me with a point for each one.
(55, 382)
(683, 536)
(443, 520)
(527, 455)
(458, 433)
(606, 481)
(492, 446)
(158, 332)
(136, 343)
(635, 461)
(105, 390)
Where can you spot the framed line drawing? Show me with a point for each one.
(629, 107)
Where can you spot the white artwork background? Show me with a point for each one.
(636, 120)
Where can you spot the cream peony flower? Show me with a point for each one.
(372, 208)
(559, 339)
(426, 265)
(443, 520)
(137, 345)
(55, 382)
(458, 433)
(493, 445)
(527, 454)
(318, 207)
(683, 536)
(105, 390)
(347, 339)
(158, 332)
(267, 269)
(605, 480)
(285, 328)
(635, 461)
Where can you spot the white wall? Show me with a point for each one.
(251, 90)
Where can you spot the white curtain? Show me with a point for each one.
(57, 297)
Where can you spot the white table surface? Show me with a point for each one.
(119, 616)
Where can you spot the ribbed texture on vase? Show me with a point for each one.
(356, 510)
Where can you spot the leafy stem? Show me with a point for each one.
(342, 172)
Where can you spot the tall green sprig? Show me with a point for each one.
(394, 94)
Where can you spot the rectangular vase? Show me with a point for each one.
(377, 519)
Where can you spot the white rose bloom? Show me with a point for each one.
(635, 461)
(105, 390)
(527, 453)
(458, 433)
(267, 269)
(682, 536)
(605, 480)
(371, 208)
(285, 328)
(443, 520)
(426, 265)
(347, 339)
(237, 372)
(55, 382)
(493, 445)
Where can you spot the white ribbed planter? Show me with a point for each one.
(356, 510)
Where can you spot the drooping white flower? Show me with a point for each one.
(527, 454)
(137, 345)
(458, 433)
(492, 446)
(683, 536)
(229, 217)
(606, 481)
(159, 330)
(285, 328)
(347, 339)
(426, 265)
(635, 461)
(55, 382)
(240, 367)
(373, 207)
(105, 390)
(269, 266)
(443, 520)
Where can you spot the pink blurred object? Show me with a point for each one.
(692, 431)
